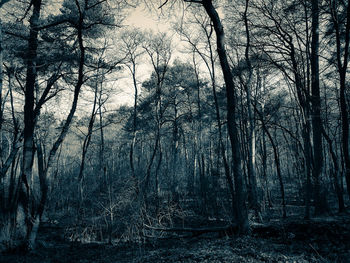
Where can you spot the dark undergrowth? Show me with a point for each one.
(325, 239)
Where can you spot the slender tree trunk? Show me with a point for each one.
(43, 191)
(12, 196)
(1, 83)
(153, 155)
(261, 83)
(86, 144)
(134, 127)
(218, 120)
(202, 183)
(103, 168)
(336, 173)
(196, 138)
(160, 70)
(342, 69)
(303, 95)
(251, 143)
(16, 142)
(160, 158)
(264, 168)
(307, 155)
(77, 89)
(241, 209)
(175, 147)
(320, 203)
(28, 134)
(211, 69)
(277, 163)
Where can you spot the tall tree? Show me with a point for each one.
(209, 58)
(2, 2)
(82, 18)
(132, 41)
(28, 137)
(320, 206)
(251, 132)
(232, 125)
(342, 58)
(158, 49)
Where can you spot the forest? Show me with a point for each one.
(174, 131)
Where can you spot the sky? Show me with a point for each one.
(143, 18)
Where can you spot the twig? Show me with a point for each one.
(166, 1)
(322, 258)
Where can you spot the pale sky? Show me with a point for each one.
(141, 17)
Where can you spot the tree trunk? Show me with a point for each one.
(86, 144)
(303, 94)
(218, 120)
(102, 165)
(17, 138)
(320, 203)
(277, 163)
(134, 127)
(77, 89)
(241, 209)
(307, 155)
(1, 83)
(342, 69)
(28, 134)
(338, 189)
(253, 192)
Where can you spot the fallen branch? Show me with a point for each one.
(197, 231)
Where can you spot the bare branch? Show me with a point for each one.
(166, 1)
(194, 1)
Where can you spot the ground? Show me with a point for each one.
(317, 240)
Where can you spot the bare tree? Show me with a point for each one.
(132, 44)
(342, 57)
(232, 126)
(158, 49)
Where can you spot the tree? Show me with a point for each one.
(28, 133)
(2, 2)
(84, 19)
(290, 29)
(158, 49)
(208, 57)
(241, 210)
(251, 133)
(132, 44)
(338, 21)
(320, 206)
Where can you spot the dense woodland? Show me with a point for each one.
(234, 120)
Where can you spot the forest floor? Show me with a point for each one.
(316, 240)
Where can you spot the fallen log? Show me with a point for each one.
(284, 229)
(221, 230)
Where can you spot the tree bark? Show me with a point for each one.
(28, 133)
